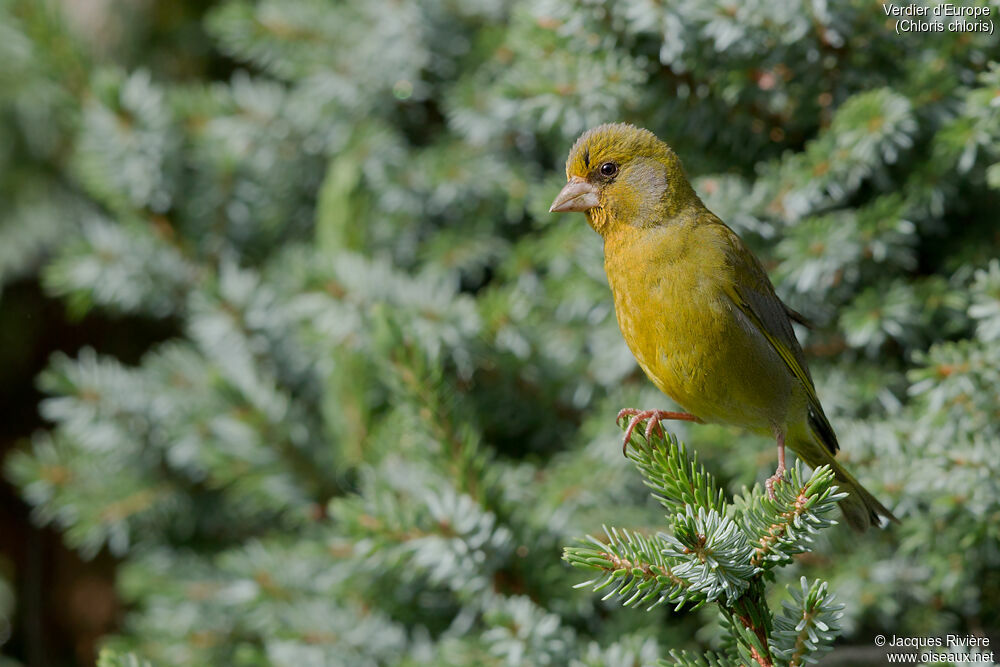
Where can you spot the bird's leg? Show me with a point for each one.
(654, 418)
(779, 473)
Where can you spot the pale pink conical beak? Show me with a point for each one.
(578, 195)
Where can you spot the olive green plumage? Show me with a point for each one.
(695, 305)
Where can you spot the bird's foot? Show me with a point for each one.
(652, 419)
(778, 476)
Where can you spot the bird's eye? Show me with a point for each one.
(609, 169)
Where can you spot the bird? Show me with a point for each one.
(697, 309)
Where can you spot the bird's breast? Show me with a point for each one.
(688, 338)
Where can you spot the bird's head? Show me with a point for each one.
(622, 175)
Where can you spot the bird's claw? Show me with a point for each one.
(637, 416)
(778, 476)
(626, 412)
(654, 418)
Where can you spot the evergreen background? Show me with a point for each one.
(300, 370)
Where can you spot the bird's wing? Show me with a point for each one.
(754, 295)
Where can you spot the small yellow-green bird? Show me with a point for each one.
(697, 308)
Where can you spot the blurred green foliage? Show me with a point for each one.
(390, 398)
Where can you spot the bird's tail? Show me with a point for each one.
(861, 509)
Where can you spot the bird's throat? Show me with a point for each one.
(599, 220)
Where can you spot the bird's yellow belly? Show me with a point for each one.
(695, 348)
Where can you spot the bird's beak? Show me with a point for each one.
(578, 195)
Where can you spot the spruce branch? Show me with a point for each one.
(676, 478)
(807, 625)
(689, 659)
(750, 623)
(783, 526)
(635, 567)
(719, 551)
(714, 553)
(418, 381)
